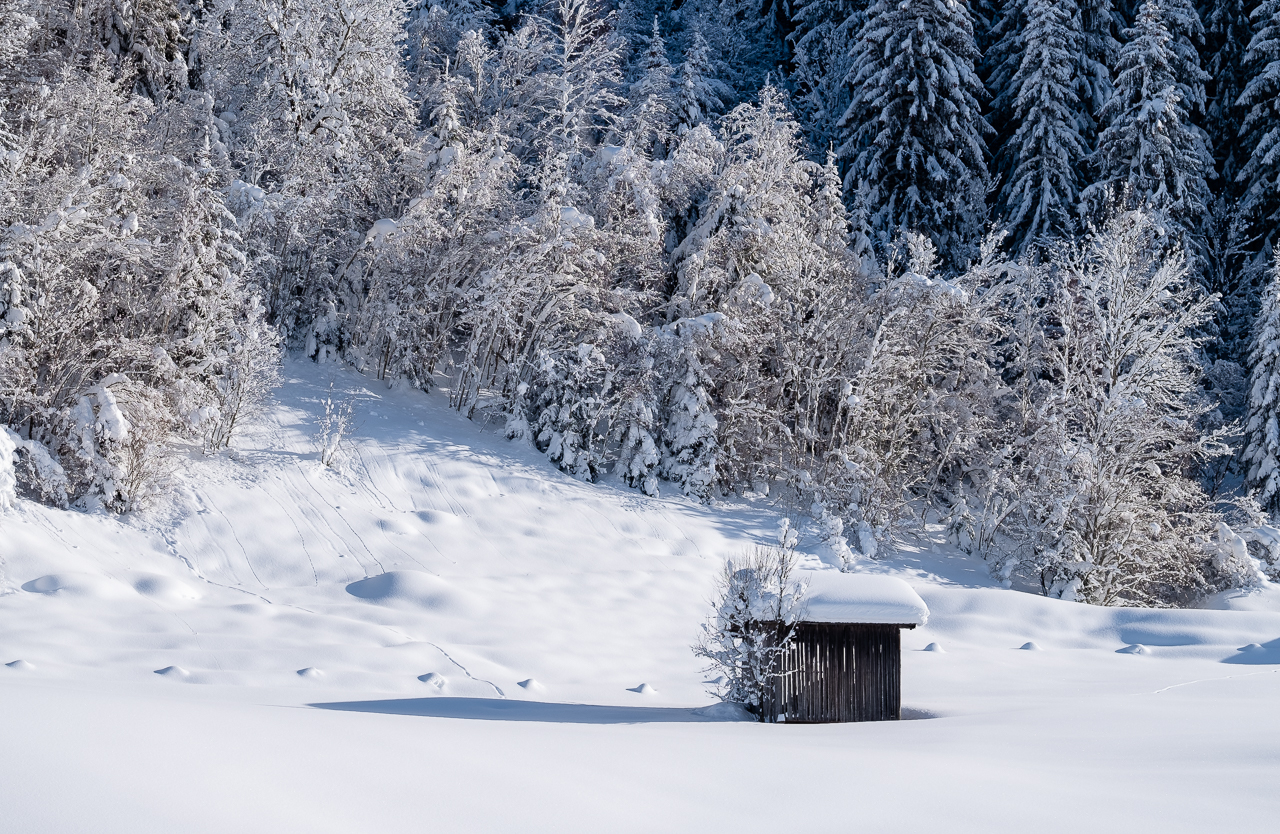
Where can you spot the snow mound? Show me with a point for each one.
(173, 672)
(20, 665)
(934, 647)
(531, 685)
(1252, 647)
(78, 584)
(158, 586)
(415, 589)
(725, 711)
(643, 689)
(1136, 648)
(835, 597)
(434, 678)
(1030, 646)
(310, 672)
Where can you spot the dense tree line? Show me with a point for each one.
(1003, 265)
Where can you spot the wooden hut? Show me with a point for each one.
(845, 660)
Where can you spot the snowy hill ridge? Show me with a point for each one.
(444, 572)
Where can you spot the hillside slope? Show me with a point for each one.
(295, 612)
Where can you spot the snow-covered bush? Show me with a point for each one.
(8, 478)
(334, 427)
(758, 606)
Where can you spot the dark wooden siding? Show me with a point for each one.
(839, 672)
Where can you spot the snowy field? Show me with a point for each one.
(449, 635)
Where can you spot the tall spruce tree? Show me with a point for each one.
(1261, 128)
(1041, 161)
(822, 47)
(1100, 51)
(1262, 430)
(1149, 151)
(914, 130)
(1228, 33)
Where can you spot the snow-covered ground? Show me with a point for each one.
(449, 635)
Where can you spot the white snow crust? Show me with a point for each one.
(448, 634)
(835, 597)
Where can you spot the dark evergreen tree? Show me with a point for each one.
(914, 131)
(822, 47)
(1260, 130)
(1041, 161)
(1149, 151)
(1227, 38)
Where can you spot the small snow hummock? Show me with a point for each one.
(20, 665)
(1136, 648)
(530, 685)
(835, 597)
(173, 672)
(643, 689)
(434, 678)
(935, 647)
(1029, 646)
(725, 711)
(309, 672)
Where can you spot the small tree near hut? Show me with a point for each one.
(759, 604)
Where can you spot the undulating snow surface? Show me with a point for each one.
(449, 635)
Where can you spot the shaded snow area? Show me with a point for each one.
(446, 634)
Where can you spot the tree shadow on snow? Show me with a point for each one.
(494, 709)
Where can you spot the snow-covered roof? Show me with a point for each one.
(835, 597)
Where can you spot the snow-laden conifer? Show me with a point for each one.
(699, 94)
(1150, 150)
(1042, 159)
(650, 119)
(1260, 131)
(914, 130)
(1262, 430)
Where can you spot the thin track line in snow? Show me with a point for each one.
(1211, 680)
(324, 517)
(236, 536)
(301, 538)
(464, 669)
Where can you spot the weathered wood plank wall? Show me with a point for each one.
(836, 672)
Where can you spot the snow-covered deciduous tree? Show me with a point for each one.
(1101, 503)
(914, 130)
(1041, 161)
(1149, 150)
(758, 607)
